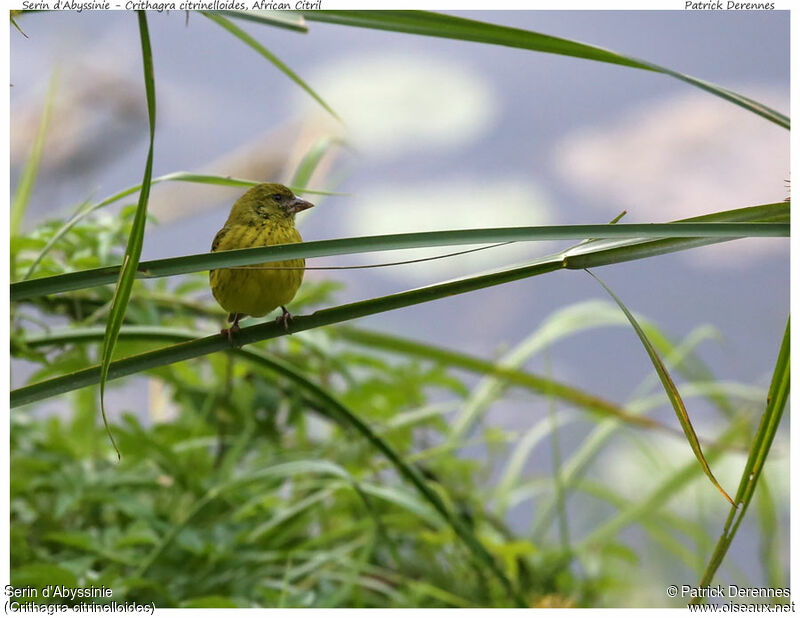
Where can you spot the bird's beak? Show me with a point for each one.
(296, 205)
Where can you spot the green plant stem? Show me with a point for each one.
(269, 330)
(133, 250)
(760, 447)
(683, 235)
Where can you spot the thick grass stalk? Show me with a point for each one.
(683, 235)
(269, 330)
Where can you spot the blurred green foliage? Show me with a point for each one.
(233, 488)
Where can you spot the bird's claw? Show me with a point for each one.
(234, 328)
(229, 332)
(284, 318)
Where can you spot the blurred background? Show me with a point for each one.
(442, 134)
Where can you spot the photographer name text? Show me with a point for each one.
(728, 5)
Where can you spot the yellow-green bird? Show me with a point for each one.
(262, 216)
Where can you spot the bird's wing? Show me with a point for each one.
(218, 238)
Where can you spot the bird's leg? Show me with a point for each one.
(234, 328)
(284, 318)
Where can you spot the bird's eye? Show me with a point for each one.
(277, 196)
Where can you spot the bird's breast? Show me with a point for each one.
(260, 288)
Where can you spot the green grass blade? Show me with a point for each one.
(686, 361)
(248, 40)
(686, 235)
(759, 449)
(452, 358)
(279, 19)
(770, 541)
(22, 195)
(310, 161)
(280, 516)
(448, 26)
(404, 500)
(670, 388)
(269, 330)
(357, 336)
(79, 214)
(602, 252)
(227, 181)
(564, 322)
(15, 24)
(510, 476)
(133, 251)
(656, 499)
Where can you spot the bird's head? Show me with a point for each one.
(268, 201)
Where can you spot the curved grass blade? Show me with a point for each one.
(689, 364)
(247, 39)
(82, 211)
(451, 27)
(759, 449)
(130, 263)
(310, 161)
(27, 180)
(671, 390)
(684, 235)
(279, 19)
(15, 24)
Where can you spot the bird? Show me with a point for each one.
(263, 216)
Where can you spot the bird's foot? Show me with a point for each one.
(234, 328)
(284, 318)
(230, 332)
